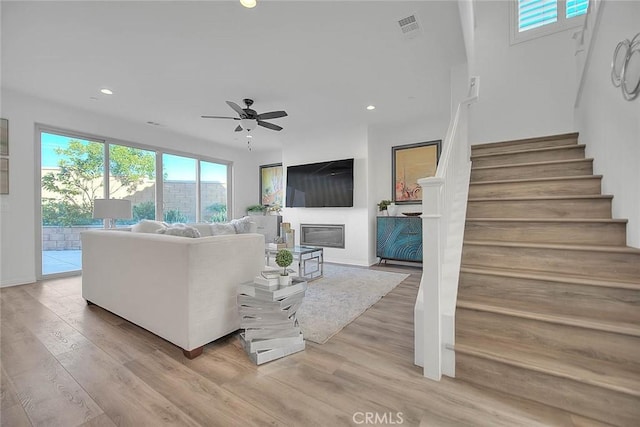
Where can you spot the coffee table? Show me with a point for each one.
(310, 260)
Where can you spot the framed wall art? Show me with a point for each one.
(4, 137)
(4, 176)
(271, 181)
(409, 163)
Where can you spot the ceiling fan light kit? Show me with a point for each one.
(250, 119)
(248, 3)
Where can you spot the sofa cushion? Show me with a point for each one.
(220, 229)
(148, 226)
(243, 225)
(181, 230)
(203, 228)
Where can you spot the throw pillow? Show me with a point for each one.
(203, 228)
(180, 230)
(219, 229)
(242, 225)
(148, 226)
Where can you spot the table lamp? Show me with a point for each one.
(111, 209)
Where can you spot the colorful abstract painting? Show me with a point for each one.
(271, 180)
(410, 163)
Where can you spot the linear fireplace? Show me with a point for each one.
(323, 235)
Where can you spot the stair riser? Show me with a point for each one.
(505, 147)
(564, 208)
(559, 187)
(582, 233)
(573, 342)
(583, 399)
(582, 168)
(576, 152)
(603, 303)
(605, 265)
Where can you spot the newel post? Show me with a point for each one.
(432, 201)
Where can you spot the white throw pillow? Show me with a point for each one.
(148, 226)
(180, 230)
(203, 228)
(219, 229)
(242, 225)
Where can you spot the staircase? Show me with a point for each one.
(549, 294)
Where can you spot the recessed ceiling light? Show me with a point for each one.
(371, 107)
(106, 91)
(249, 136)
(248, 3)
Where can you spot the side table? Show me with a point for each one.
(268, 317)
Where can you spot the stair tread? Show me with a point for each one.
(548, 162)
(596, 248)
(583, 369)
(556, 277)
(550, 220)
(524, 140)
(540, 198)
(525, 180)
(530, 150)
(599, 325)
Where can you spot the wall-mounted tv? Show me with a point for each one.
(320, 185)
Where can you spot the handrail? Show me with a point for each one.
(443, 212)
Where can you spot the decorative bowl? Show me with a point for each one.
(411, 213)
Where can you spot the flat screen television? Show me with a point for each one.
(320, 185)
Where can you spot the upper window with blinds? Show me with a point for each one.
(535, 18)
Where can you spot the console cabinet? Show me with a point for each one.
(399, 238)
(268, 225)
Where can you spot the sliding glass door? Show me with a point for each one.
(72, 174)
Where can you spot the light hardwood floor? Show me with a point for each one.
(65, 363)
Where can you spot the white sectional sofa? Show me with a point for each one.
(181, 289)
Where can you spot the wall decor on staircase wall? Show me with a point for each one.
(625, 67)
(410, 163)
(271, 179)
(4, 137)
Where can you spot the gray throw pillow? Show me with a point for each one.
(242, 225)
(180, 230)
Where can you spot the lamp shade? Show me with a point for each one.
(112, 209)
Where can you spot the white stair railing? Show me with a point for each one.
(444, 198)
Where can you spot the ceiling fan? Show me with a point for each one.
(249, 118)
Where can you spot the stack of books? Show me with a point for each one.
(268, 317)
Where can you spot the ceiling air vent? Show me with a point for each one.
(409, 26)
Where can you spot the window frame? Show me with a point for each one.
(562, 24)
(107, 142)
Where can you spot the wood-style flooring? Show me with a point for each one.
(64, 363)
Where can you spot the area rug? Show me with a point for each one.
(339, 297)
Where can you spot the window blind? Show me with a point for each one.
(576, 7)
(536, 13)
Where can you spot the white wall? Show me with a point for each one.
(17, 221)
(609, 125)
(338, 143)
(526, 89)
(381, 140)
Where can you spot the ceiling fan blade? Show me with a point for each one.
(269, 125)
(272, 115)
(220, 117)
(239, 128)
(237, 108)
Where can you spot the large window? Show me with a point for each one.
(164, 186)
(535, 18)
(179, 188)
(72, 176)
(213, 192)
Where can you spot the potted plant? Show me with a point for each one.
(284, 258)
(256, 210)
(382, 206)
